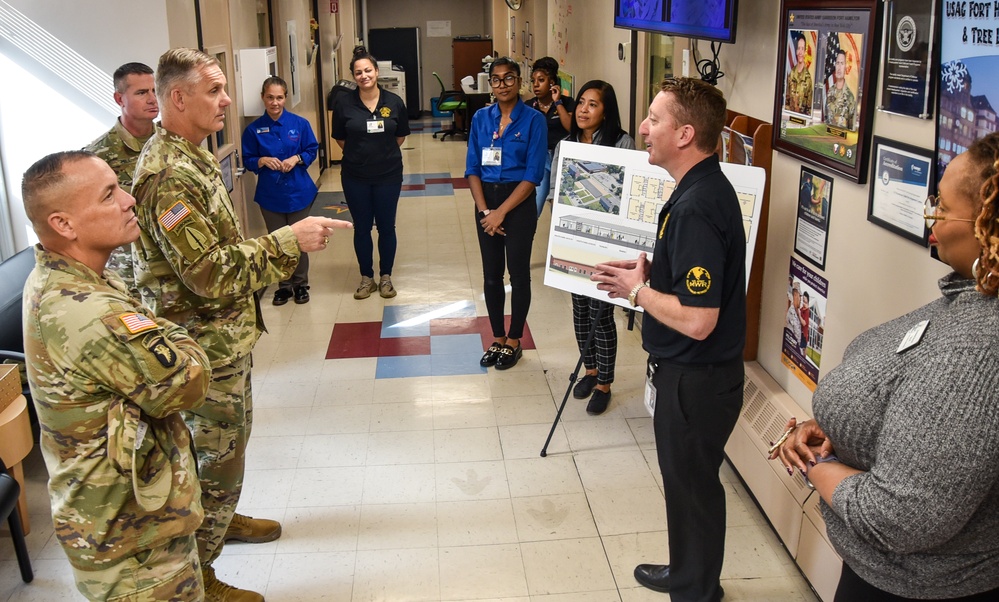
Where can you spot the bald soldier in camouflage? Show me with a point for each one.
(120, 146)
(108, 380)
(194, 267)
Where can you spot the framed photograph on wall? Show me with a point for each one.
(901, 180)
(811, 231)
(824, 98)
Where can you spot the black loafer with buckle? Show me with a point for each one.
(491, 355)
(509, 356)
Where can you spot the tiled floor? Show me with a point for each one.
(397, 487)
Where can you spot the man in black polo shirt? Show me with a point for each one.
(694, 296)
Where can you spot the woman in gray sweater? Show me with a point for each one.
(904, 448)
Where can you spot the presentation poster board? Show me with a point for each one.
(607, 203)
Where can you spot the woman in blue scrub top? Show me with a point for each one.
(507, 150)
(278, 147)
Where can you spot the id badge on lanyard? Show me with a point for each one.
(492, 156)
(376, 126)
(650, 389)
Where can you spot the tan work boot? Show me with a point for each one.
(216, 591)
(252, 530)
(365, 289)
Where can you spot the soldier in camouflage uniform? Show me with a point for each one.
(799, 82)
(121, 145)
(108, 381)
(841, 105)
(193, 266)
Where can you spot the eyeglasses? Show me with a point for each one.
(504, 82)
(931, 210)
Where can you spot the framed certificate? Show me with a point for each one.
(901, 179)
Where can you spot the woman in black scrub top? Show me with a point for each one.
(370, 125)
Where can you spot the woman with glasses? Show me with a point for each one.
(370, 126)
(505, 161)
(597, 121)
(557, 110)
(904, 447)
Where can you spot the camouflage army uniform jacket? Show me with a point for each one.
(799, 91)
(108, 382)
(192, 265)
(120, 149)
(841, 108)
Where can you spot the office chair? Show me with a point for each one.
(9, 492)
(452, 100)
(13, 273)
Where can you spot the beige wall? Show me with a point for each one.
(873, 274)
(467, 17)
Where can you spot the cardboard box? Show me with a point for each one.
(10, 384)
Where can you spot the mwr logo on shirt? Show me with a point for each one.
(386, 112)
(698, 281)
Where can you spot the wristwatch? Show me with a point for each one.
(633, 295)
(820, 460)
(483, 213)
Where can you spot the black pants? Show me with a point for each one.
(274, 221)
(696, 410)
(852, 588)
(513, 252)
(373, 204)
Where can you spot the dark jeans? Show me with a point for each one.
(852, 587)
(512, 252)
(696, 410)
(373, 204)
(274, 221)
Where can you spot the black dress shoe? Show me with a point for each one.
(281, 296)
(491, 355)
(653, 576)
(584, 386)
(598, 402)
(509, 356)
(301, 294)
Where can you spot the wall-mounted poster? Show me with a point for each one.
(607, 205)
(906, 84)
(811, 232)
(824, 100)
(969, 86)
(804, 323)
(901, 180)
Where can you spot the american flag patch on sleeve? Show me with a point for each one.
(136, 323)
(174, 215)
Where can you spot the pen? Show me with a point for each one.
(782, 439)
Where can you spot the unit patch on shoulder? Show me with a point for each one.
(386, 112)
(136, 323)
(174, 215)
(698, 281)
(158, 347)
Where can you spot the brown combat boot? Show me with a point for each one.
(252, 530)
(216, 591)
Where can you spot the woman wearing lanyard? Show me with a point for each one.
(506, 154)
(278, 147)
(370, 125)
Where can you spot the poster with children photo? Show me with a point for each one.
(804, 323)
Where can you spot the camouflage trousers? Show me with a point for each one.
(220, 429)
(168, 572)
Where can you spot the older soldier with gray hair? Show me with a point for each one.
(108, 380)
(120, 146)
(193, 266)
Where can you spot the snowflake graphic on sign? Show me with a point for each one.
(953, 75)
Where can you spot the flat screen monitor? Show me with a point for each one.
(702, 19)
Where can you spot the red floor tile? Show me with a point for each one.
(414, 187)
(443, 326)
(403, 346)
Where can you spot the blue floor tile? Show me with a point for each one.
(455, 364)
(403, 366)
(465, 344)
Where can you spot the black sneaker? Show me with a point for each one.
(281, 296)
(584, 386)
(598, 402)
(301, 294)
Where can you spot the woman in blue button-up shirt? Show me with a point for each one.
(278, 147)
(507, 150)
